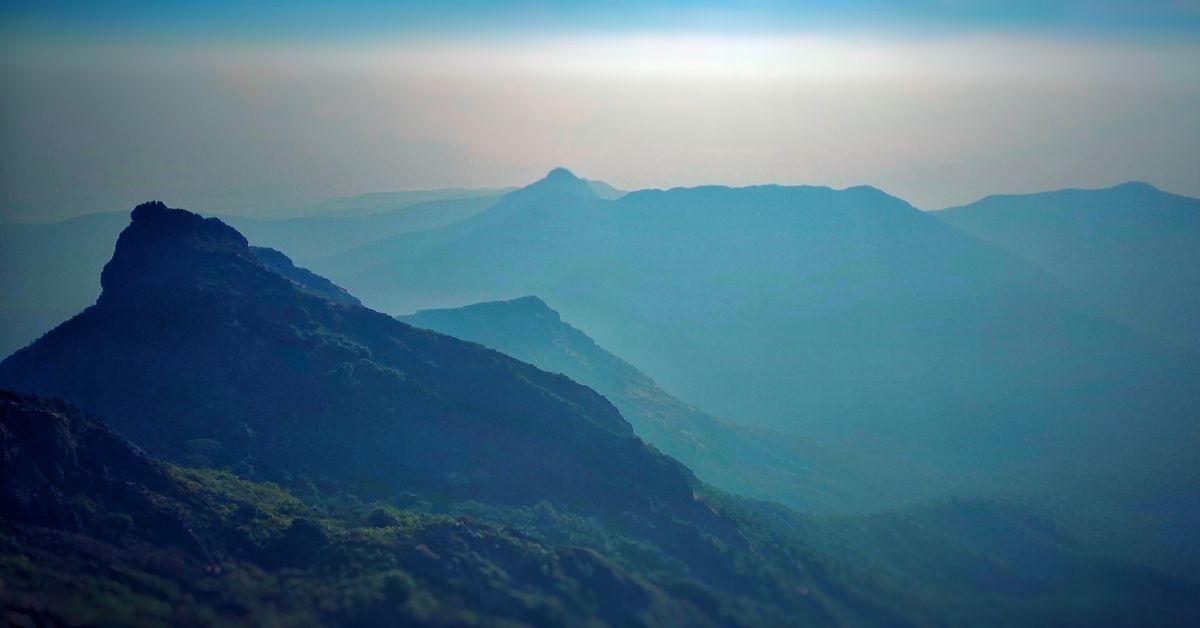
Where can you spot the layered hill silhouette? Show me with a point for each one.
(201, 354)
(846, 317)
(831, 314)
(755, 462)
(1132, 252)
(442, 482)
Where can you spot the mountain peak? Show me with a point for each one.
(562, 181)
(148, 210)
(530, 301)
(1136, 186)
(154, 220)
(562, 174)
(161, 246)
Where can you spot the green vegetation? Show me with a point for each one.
(131, 540)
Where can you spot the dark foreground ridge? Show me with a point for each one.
(202, 355)
(95, 532)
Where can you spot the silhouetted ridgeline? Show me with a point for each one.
(852, 320)
(342, 467)
(756, 462)
(1132, 252)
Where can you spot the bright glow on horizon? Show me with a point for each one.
(936, 120)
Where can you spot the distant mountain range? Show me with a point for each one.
(857, 325)
(848, 318)
(1131, 252)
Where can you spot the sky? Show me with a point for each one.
(225, 108)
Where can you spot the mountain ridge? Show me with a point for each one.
(1128, 252)
(757, 463)
(205, 357)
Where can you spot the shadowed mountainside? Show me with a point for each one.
(95, 532)
(188, 310)
(756, 462)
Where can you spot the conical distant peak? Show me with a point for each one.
(563, 181)
(561, 174)
(1136, 186)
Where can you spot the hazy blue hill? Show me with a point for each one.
(605, 191)
(822, 312)
(967, 554)
(847, 317)
(1131, 251)
(755, 462)
(377, 266)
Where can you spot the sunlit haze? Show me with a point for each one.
(929, 106)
